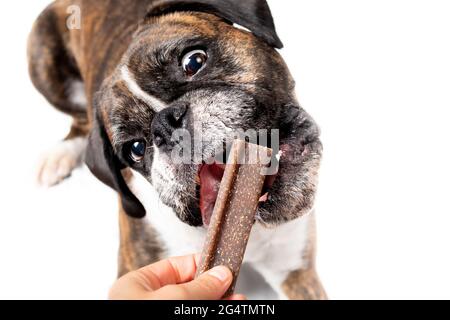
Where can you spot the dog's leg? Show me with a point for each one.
(303, 285)
(54, 72)
(58, 163)
(300, 281)
(138, 244)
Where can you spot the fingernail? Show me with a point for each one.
(221, 273)
(197, 258)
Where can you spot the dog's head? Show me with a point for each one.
(209, 68)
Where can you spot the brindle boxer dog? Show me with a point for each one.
(135, 72)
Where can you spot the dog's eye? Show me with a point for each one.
(137, 151)
(193, 61)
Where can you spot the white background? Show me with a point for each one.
(374, 74)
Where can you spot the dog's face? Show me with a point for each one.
(195, 72)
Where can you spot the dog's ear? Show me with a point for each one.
(105, 165)
(254, 15)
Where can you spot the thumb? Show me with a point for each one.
(211, 285)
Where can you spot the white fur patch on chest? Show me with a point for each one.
(178, 238)
(273, 252)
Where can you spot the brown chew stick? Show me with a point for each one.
(235, 208)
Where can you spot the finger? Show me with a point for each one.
(237, 297)
(171, 271)
(211, 285)
(131, 286)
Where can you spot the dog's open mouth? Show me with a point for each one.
(210, 177)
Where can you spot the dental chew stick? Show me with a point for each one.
(235, 209)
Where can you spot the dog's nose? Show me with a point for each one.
(166, 122)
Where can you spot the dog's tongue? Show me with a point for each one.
(210, 178)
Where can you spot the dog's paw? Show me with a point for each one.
(59, 162)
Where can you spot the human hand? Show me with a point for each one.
(173, 279)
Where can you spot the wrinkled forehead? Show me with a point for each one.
(240, 57)
(181, 29)
(177, 27)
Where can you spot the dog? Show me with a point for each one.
(131, 74)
